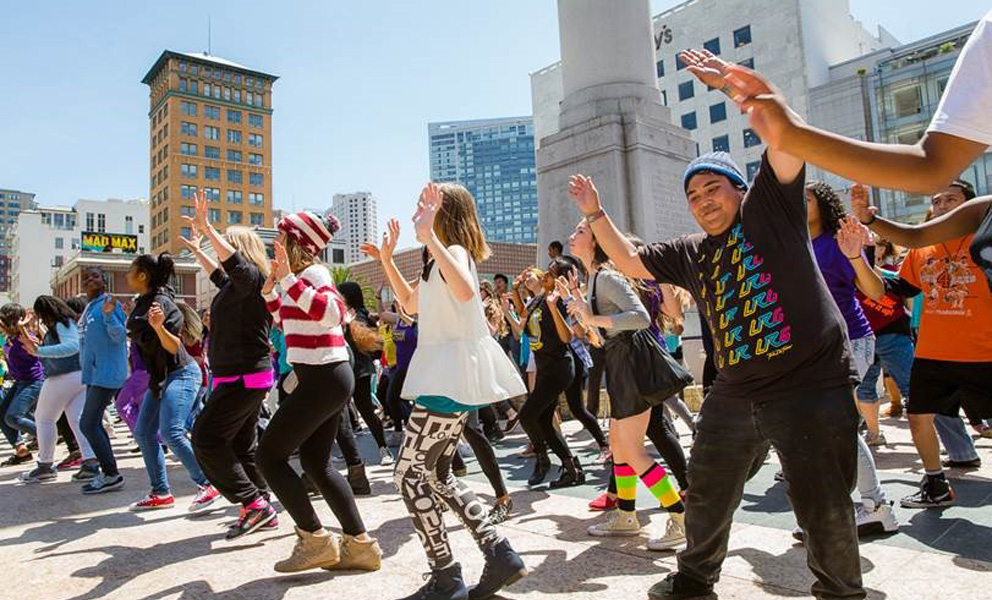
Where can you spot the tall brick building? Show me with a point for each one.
(210, 127)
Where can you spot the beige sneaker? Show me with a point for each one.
(312, 551)
(357, 555)
(674, 534)
(618, 523)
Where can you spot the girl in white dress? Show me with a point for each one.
(457, 368)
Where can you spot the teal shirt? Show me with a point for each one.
(443, 404)
(278, 341)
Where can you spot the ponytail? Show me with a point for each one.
(158, 270)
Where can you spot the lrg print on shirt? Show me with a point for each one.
(740, 304)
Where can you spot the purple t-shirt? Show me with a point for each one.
(405, 338)
(23, 366)
(839, 275)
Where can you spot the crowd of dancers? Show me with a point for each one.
(802, 303)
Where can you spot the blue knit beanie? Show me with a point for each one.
(714, 162)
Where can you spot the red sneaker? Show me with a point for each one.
(73, 461)
(603, 502)
(154, 502)
(205, 496)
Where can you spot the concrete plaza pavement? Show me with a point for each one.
(57, 544)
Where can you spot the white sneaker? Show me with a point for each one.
(674, 534)
(385, 457)
(618, 523)
(875, 520)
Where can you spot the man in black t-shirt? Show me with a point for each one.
(784, 369)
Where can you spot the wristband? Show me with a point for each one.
(852, 257)
(592, 218)
(869, 221)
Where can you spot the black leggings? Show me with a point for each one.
(595, 379)
(363, 401)
(347, 442)
(573, 394)
(66, 432)
(483, 451)
(398, 407)
(661, 432)
(308, 420)
(538, 413)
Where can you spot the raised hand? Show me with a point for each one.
(427, 208)
(390, 238)
(561, 285)
(195, 238)
(156, 318)
(270, 280)
(579, 309)
(768, 113)
(109, 304)
(504, 302)
(861, 203)
(852, 237)
(705, 66)
(280, 264)
(584, 193)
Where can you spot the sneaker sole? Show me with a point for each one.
(104, 489)
(133, 508)
(668, 547)
(616, 534)
(258, 525)
(940, 504)
(195, 509)
(326, 566)
(505, 584)
(41, 481)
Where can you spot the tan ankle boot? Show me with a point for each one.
(357, 555)
(312, 551)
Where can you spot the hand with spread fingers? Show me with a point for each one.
(428, 205)
(584, 193)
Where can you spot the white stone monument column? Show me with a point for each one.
(613, 127)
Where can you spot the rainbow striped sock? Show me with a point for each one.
(626, 478)
(661, 485)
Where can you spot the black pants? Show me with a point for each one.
(665, 438)
(573, 395)
(308, 420)
(484, 453)
(347, 442)
(815, 434)
(66, 432)
(281, 392)
(363, 401)
(595, 379)
(398, 407)
(538, 413)
(225, 439)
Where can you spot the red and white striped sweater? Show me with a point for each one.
(310, 312)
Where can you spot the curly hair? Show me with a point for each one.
(831, 206)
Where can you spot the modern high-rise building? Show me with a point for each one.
(792, 42)
(359, 223)
(12, 202)
(210, 123)
(494, 160)
(890, 96)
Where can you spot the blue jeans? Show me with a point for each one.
(893, 352)
(166, 414)
(16, 406)
(954, 436)
(91, 423)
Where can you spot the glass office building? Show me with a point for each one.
(494, 159)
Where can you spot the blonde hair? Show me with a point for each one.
(300, 257)
(192, 330)
(457, 223)
(247, 242)
(669, 322)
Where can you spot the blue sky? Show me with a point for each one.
(359, 81)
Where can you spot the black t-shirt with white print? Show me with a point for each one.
(775, 326)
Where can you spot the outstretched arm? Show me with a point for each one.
(620, 250)
(717, 73)
(405, 294)
(960, 222)
(921, 168)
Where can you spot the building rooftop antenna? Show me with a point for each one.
(209, 48)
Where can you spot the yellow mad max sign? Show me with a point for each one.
(109, 242)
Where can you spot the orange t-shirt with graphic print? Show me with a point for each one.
(956, 324)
